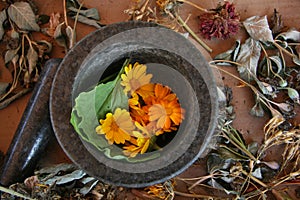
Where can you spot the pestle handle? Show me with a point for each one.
(33, 133)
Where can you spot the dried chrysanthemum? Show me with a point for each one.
(222, 22)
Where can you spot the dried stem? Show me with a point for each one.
(65, 12)
(181, 22)
(198, 195)
(254, 179)
(194, 5)
(284, 50)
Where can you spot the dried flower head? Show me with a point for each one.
(222, 22)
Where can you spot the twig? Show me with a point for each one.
(181, 22)
(65, 13)
(6, 102)
(197, 195)
(194, 5)
(254, 179)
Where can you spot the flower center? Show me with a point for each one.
(114, 126)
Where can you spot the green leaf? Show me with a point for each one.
(93, 105)
(2, 19)
(22, 15)
(32, 58)
(248, 57)
(258, 28)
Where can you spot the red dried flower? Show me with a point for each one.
(222, 22)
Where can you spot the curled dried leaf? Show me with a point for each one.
(258, 28)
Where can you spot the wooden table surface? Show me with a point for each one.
(111, 11)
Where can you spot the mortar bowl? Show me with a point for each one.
(173, 61)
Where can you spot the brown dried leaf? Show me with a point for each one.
(2, 19)
(30, 182)
(32, 58)
(59, 36)
(248, 57)
(22, 15)
(53, 23)
(3, 87)
(258, 28)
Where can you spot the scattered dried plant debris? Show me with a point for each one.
(166, 13)
(240, 168)
(24, 56)
(62, 181)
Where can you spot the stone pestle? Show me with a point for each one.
(33, 133)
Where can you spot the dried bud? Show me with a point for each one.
(222, 22)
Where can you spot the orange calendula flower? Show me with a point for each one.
(167, 114)
(135, 77)
(117, 127)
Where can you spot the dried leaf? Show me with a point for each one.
(44, 47)
(2, 19)
(32, 58)
(59, 36)
(14, 34)
(53, 23)
(293, 94)
(88, 21)
(277, 23)
(30, 182)
(266, 88)
(75, 175)
(285, 107)
(10, 54)
(257, 110)
(278, 63)
(253, 148)
(215, 163)
(3, 87)
(88, 186)
(22, 15)
(230, 54)
(91, 13)
(291, 34)
(258, 28)
(56, 169)
(257, 173)
(71, 34)
(272, 164)
(248, 57)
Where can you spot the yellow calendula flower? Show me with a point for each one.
(117, 127)
(135, 77)
(139, 142)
